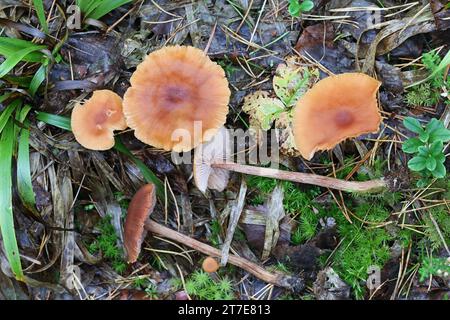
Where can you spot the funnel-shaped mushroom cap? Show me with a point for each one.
(93, 123)
(141, 206)
(170, 90)
(210, 265)
(334, 109)
(216, 150)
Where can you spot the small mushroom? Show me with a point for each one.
(210, 265)
(137, 223)
(335, 109)
(94, 121)
(212, 166)
(172, 89)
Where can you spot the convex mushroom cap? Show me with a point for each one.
(334, 109)
(170, 90)
(94, 121)
(218, 150)
(210, 265)
(139, 210)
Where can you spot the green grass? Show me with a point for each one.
(96, 9)
(106, 243)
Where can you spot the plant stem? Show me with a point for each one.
(277, 279)
(307, 178)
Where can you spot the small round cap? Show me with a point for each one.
(210, 265)
(93, 122)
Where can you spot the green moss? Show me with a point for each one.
(442, 219)
(201, 286)
(361, 247)
(106, 243)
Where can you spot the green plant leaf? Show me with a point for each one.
(440, 171)
(37, 80)
(294, 8)
(106, 6)
(306, 6)
(7, 141)
(412, 124)
(55, 120)
(441, 134)
(440, 158)
(422, 183)
(10, 46)
(436, 148)
(423, 151)
(13, 60)
(6, 114)
(417, 163)
(411, 145)
(431, 163)
(424, 136)
(24, 183)
(39, 6)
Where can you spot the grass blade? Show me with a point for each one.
(106, 7)
(6, 114)
(7, 140)
(37, 80)
(10, 46)
(13, 60)
(39, 6)
(55, 120)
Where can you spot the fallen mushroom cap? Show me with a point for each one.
(216, 150)
(93, 123)
(336, 108)
(171, 89)
(210, 265)
(141, 206)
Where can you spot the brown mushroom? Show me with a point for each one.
(94, 121)
(212, 166)
(173, 88)
(141, 207)
(210, 265)
(335, 109)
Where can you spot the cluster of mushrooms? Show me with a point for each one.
(178, 85)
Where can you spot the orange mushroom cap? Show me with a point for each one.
(210, 265)
(171, 89)
(334, 109)
(139, 210)
(93, 123)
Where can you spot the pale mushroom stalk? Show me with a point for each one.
(306, 178)
(277, 279)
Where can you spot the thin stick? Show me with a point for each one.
(306, 178)
(277, 279)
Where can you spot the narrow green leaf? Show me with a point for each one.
(106, 7)
(12, 61)
(39, 6)
(412, 124)
(37, 80)
(10, 46)
(417, 163)
(6, 211)
(6, 114)
(55, 120)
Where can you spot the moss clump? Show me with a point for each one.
(106, 243)
(201, 286)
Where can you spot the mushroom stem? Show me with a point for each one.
(277, 279)
(307, 178)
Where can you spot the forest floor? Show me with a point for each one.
(62, 207)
